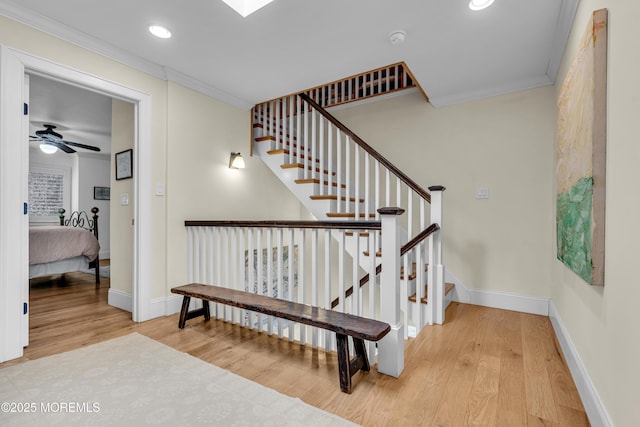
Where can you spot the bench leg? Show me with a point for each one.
(348, 367)
(185, 314)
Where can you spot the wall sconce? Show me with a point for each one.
(236, 161)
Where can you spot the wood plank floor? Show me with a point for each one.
(484, 367)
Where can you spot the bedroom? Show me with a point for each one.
(76, 181)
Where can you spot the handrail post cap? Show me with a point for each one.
(391, 211)
(437, 188)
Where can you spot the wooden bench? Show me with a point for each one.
(344, 325)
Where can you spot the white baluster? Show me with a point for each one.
(347, 180)
(280, 273)
(314, 144)
(341, 272)
(321, 146)
(251, 283)
(233, 265)
(270, 276)
(302, 280)
(260, 274)
(377, 187)
(330, 164)
(291, 283)
(314, 282)
(327, 284)
(371, 346)
(356, 187)
(300, 151)
(339, 169)
(367, 187)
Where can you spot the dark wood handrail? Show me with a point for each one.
(379, 157)
(403, 250)
(335, 225)
(420, 237)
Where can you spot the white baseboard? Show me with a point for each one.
(159, 306)
(165, 306)
(493, 299)
(596, 411)
(513, 302)
(121, 300)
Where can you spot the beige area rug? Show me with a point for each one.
(136, 381)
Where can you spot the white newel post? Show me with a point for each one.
(436, 252)
(391, 347)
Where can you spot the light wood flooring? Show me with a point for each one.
(484, 367)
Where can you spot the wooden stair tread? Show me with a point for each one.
(413, 274)
(333, 197)
(301, 166)
(286, 151)
(448, 287)
(317, 181)
(378, 253)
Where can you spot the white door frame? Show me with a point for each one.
(13, 175)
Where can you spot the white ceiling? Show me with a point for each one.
(291, 45)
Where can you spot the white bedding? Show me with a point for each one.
(59, 267)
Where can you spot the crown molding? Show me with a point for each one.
(195, 84)
(93, 44)
(461, 97)
(568, 10)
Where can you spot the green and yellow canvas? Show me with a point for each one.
(580, 174)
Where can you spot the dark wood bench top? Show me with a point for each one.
(341, 323)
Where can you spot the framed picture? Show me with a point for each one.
(124, 164)
(101, 193)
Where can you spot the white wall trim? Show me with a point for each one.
(568, 10)
(593, 405)
(509, 301)
(121, 300)
(494, 299)
(159, 307)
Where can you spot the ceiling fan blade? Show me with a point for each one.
(34, 138)
(62, 146)
(85, 146)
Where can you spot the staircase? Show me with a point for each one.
(337, 176)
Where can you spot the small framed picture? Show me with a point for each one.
(124, 164)
(101, 193)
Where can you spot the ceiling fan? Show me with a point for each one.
(52, 140)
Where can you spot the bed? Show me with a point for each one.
(71, 246)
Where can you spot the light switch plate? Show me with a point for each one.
(124, 199)
(482, 193)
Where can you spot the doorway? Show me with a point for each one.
(14, 65)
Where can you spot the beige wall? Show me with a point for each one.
(200, 185)
(504, 143)
(603, 321)
(122, 138)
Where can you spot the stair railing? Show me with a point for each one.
(291, 260)
(345, 169)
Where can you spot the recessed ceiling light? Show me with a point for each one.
(246, 7)
(480, 4)
(160, 31)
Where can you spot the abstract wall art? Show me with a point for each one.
(581, 154)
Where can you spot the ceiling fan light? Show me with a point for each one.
(48, 148)
(480, 4)
(160, 31)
